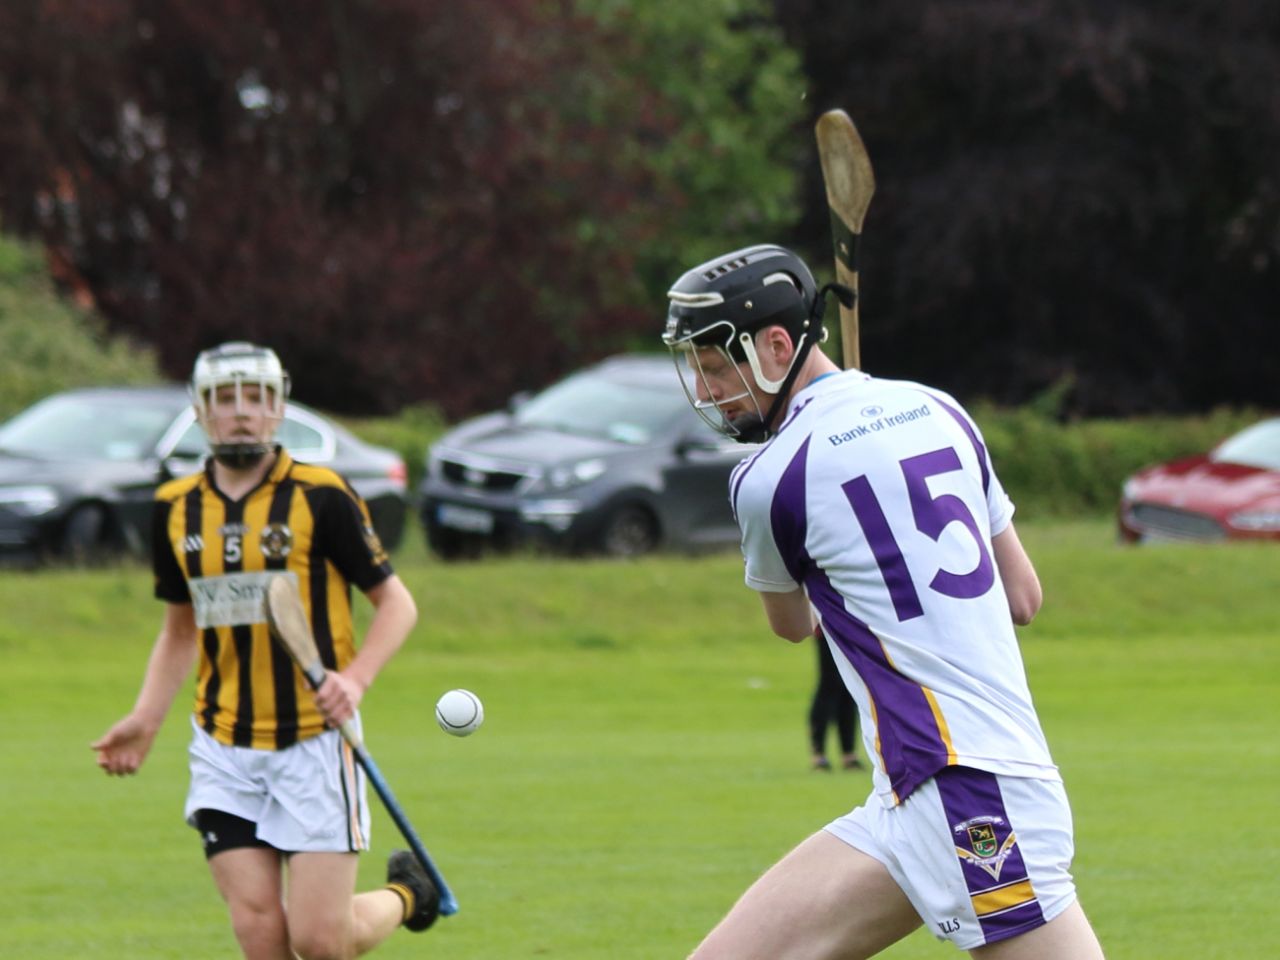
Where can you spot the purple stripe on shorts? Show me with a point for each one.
(911, 745)
(987, 848)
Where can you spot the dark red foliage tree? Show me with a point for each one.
(394, 194)
(1069, 191)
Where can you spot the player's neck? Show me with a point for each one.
(235, 483)
(816, 365)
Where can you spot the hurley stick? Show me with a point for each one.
(292, 630)
(850, 182)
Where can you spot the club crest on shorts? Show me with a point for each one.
(276, 541)
(982, 838)
(984, 850)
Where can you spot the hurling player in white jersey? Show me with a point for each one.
(872, 510)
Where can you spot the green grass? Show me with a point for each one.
(643, 756)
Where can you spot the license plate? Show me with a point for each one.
(464, 518)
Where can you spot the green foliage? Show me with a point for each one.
(1054, 468)
(409, 433)
(643, 755)
(48, 344)
(732, 91)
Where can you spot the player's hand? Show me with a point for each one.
(122, 749)
(338, 698)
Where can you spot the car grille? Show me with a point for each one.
(1180, 524)
(479, 478)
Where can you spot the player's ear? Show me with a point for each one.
(778, 343)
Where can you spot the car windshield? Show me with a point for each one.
(591, 404)
(1256, 446)
(96, 427)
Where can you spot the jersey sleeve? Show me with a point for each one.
(170, 583)
(766, 570)
(999, 507)
(347, 536)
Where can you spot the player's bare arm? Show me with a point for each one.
(1021, 583)
(395, 614)
(123, 748)
(790, 615)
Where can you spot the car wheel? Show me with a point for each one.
(84, 535)
(452, 544)
(629, 531)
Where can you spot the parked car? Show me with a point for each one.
(612, 459)
(1232, 492)
(78, 469)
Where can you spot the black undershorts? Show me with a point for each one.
(221, 831)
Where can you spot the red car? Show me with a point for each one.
(1230, 493)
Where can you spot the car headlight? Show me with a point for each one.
(1256, 520)
(1130, 489)
(575, 474)
(29, 501)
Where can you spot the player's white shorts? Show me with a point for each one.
(309, 797)
(981, 856)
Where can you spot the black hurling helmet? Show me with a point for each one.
(722, 304)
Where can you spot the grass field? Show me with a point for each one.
(643, 756)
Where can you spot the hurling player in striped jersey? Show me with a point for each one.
(872, 512)
(275, 794)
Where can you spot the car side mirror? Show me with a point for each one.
(180, 465)
(688, 446)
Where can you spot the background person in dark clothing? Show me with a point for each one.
(832, 703)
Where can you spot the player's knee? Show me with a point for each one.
(260, 931)
(318, 940)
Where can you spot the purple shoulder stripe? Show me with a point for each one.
(740, 471)
(788, 516)
(967, 427)
(735, 480)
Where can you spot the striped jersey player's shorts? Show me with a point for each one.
(981, 856)
(306, 798)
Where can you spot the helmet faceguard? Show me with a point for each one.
(238, 364)
(722, 305)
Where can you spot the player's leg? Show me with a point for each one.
(249, 880)
(327, 921)
(824, 900)
(319, 905)
(818, 732)
(846, 713)
(326, 918)
(1067, 936)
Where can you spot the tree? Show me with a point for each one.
(729, 93)
(1074, 192)
(410, 199)
(47, 343)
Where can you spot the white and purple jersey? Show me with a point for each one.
(878, 497)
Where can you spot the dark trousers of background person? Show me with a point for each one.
(832, 703)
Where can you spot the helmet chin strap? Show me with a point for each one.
(241, 456)
(751, 427)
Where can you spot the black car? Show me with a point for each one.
(78, 469)
(612, 459)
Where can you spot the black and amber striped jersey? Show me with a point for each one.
(218, 555)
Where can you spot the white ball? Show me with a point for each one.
(459, 712)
